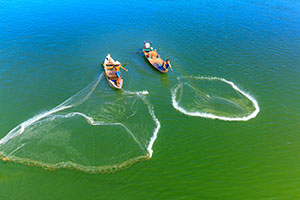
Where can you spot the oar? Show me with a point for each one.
(171, 66)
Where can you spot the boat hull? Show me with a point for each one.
(110, 74)
(156, 63)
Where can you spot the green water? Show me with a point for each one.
(51, 50)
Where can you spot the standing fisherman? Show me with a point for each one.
(117, 67)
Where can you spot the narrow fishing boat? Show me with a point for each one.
(113, 73)
(154, 58)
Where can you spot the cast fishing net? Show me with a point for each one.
(96, 130)
(213, 97)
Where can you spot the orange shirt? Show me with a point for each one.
(153, 54)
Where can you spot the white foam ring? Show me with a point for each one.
(50, 115)
(212, 116)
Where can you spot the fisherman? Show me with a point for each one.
(147, 45)
(117, 67)
(153, 54)
(167, 64)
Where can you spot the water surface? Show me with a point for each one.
(50, 50)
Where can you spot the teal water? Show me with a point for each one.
(51, 50)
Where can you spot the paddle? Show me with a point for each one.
(171, 67)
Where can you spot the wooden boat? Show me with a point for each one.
(110, 72)
(155, 62)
